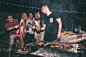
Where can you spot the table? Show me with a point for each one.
(73, 38)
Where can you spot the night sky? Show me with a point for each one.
(53, 4)
(67, 5)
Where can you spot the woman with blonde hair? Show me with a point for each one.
(23, 25)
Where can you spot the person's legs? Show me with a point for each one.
(42, 36)
(10, 49)
(16, 47)
(28, 37)
(22, 42)
(11, 42)
(17, 43)
(32, 38)
(35, 35)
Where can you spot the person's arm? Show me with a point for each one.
(59, 27)
(20, 28)
(10, 28)
(43, 28)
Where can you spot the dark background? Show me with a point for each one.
(68, 19)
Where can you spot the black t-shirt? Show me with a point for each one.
(51, 29)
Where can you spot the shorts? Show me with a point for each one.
(11, 39)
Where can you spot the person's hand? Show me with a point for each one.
(16, 26)
(38, 29)
(44, 25)
(58, 35)
(33, 27)
(42, 28)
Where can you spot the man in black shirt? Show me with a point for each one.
(53, 24)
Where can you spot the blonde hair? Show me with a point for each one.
(23, 20)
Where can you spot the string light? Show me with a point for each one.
(80, 12)
(10, 4)
(32, 7)
(7, 3)
(61, 11)
(20, 5)
(17, 5)
(40, 8)
(73, 11)
(83, 12)
(54, 10)
(14, 4)
(64, 5)
(35, 7)
(51, 9)
(3, 1)
(26, 6)
(68, 11)
(64, 10)
(57, 10)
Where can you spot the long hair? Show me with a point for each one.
(23, 20)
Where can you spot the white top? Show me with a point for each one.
(30, 30)
(37, 23)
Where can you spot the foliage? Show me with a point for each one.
(81, 21)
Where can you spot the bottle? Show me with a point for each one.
(75, 29)
(72, 29)
(79, 29)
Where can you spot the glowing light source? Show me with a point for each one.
(17, 5)
(32, 7)
(61, 11)
(10, 4)
(7, 3)
(57, 10)
(26, 6)
(14, 4)
(38, 8)
(35, 7)
(3, 1)
(20, 5)
(83, 12)
(54, 10)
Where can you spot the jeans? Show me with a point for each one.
(29, 37)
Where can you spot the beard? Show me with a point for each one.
(11, 22)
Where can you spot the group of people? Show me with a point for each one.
(47, 28)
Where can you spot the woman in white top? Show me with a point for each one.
(30, 31)
(37, 24)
